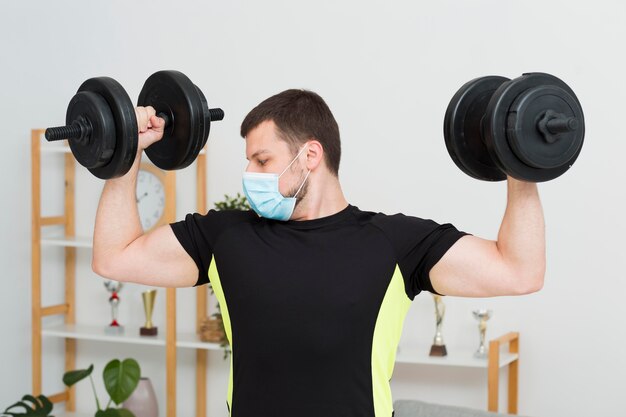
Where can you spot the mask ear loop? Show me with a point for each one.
(291, 163)
(302, 185)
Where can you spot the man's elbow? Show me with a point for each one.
(99, 267)
(530, 282)
(533, 285)
(105, 269)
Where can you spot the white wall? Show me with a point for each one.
(387, 69)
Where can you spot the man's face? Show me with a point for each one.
(267, 153)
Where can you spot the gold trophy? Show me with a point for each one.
(438, 348)
(148, 305)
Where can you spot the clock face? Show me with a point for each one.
(150, 199)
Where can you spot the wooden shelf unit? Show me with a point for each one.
(512, 340)
(495, 361)
(70, 331)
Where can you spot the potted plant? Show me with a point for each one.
(39, 406)
(120, 380)
(212, 328)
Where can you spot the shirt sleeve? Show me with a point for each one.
(419, 244)
(198, 233)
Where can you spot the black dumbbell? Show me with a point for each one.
(531, 128)
(187, 117)
(102, 126)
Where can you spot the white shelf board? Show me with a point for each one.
(191, 341)
(67, 241)
(464, 359)
(130, 335)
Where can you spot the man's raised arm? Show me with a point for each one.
(514, 264)
(121, 250)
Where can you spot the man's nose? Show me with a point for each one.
(250, 168)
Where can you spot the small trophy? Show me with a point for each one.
(114, 287)
(148, 306)
(482, 316)
(438, 348)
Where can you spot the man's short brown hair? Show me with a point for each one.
(299, 115)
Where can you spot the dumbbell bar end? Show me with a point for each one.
(552, 124)
(216, 114)
(77, 130)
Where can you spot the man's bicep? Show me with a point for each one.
(472, 267)
(157, 259)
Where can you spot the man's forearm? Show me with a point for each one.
(521, 239)
(117, 217)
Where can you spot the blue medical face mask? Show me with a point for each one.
(261, 190)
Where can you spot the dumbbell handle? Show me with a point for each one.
(214, 115)
(82, 129)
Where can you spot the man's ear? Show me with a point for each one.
(314, 154)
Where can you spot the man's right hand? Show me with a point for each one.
(150, 126)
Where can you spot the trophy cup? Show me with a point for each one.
(482, 316)
(114, 287)
(438, 348)
(148, 306)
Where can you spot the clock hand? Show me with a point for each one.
(140, 198)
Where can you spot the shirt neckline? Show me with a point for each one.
(320, 222)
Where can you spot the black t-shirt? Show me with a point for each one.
(313, 309)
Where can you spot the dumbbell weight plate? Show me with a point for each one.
(529, 143)
(207, 117)
(96, 146)
(462, 128)
(172, 93)
(511, 133)
(123, 111)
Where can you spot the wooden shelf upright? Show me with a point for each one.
(68, 307)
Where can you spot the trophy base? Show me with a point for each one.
(114, 330)
(148, 331)
(481, 354)
(438, 350)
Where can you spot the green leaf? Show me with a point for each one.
(233, 203)
(124, 412)
(72, 377)
(121, 379)
(29, 411)
(47, 405)
(42, 407)
(109, 412)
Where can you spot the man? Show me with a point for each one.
(313, 291)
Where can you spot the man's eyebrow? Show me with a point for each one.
(257, 153)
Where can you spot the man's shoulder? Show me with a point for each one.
(385, 220)
(399, 228)
(224, 219)
(216, 221)
(235, 215)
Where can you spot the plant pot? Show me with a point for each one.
(143, 401)
(212, 330)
